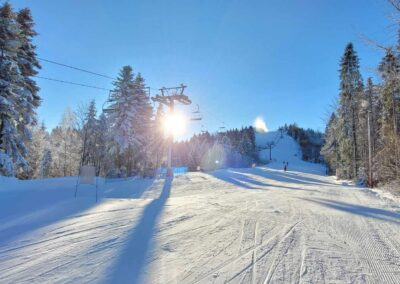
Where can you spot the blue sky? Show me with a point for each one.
(240, 59)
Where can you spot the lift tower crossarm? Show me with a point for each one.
(169, 101)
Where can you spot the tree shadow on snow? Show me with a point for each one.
(241, 178)
(238, 179)
(35, 209)
(289, 177)
(132, 260)
(127, 189)
(365, 211)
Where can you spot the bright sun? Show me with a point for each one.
(174, 123)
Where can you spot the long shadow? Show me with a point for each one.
(294, 178)
(37, 209)
(131, 262)
(238, 179)
(127, 189)
(370, 212)
(308, 179)
(275, 175)
(242, 180)
(289, 177)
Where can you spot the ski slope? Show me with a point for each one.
(255, 225)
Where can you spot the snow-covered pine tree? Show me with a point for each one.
(199, 145)
(367, 122)
(66, 146)
(123, 118)
(45, 163)
(330, 148)
(12, 147)
(245, 146)
(388, 156)
(28, 65)
(351, 88)
(144, 109)
(101, 160)
(36, 147)
(143, 125)
(389, 69)
(89, 136)
(27, 54)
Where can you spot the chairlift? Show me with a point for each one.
(196, 114)
(197, 109)
(222, 137)
(222, 128)
(108, 105)
(202, 129)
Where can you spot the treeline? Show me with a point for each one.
(124, 140)
(82, 138)
(205, 151)
(366, 119)
(310, 141)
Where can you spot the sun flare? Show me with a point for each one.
(174, 123)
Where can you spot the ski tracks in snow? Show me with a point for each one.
(270, 227)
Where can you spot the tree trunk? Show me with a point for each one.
(355, 169)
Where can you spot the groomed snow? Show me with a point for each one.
(256, 225)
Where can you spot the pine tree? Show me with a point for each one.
(90, 136)
(388, 156)
(144, 111)
(12, 147)
(389, 95)
(27, 54)
(330, 148)
(66, 146)
(143, 123)
(45, 163)
(102, 162)
(123, 118)
(18, 92)
(36, 148)
(351, 88)
(28, 65)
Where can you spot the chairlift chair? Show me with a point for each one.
(202, 129)
(196, 114)
(107, 105)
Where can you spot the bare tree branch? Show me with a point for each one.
(395, 4)
(373, 43)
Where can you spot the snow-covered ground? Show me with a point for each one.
(256, 225)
